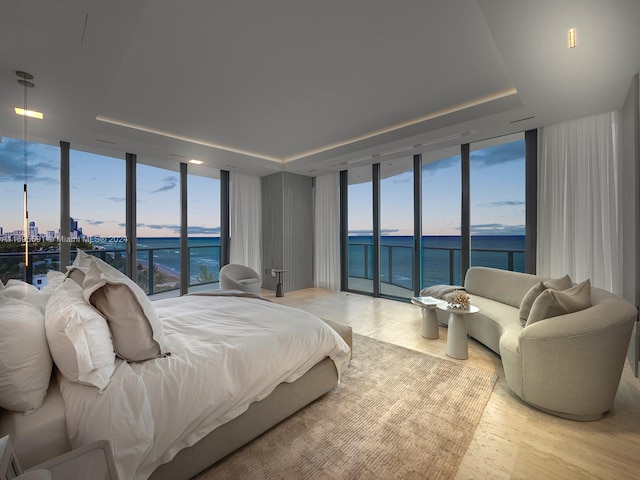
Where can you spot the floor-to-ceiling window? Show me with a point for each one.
(360, 229)
(39, 168)
(203, 214)
(441, 225)
(497, 192)
(158, 229)
(396, 227)
(493, 234)
(97, 205)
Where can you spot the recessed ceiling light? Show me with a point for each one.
(196, 162)
(28, 113)
(572, 38)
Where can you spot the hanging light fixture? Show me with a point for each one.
(24, 79)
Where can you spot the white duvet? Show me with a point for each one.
(226, 352)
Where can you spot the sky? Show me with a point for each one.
(497, 196)
(98, 195)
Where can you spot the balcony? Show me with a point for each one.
(440, 265)
(204, 266)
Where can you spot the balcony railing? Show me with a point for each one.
(163, 279)
(440, 265)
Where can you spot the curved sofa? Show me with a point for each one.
(568, 365)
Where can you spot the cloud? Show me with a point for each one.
(497, 229)
(504, 203)
(191, 230)
(87, 221)
(369, 232)
(196, 230)
(498, 154)
(42, 162)
(433, 167)
(161, 226)
(117, 199)
(169, 184)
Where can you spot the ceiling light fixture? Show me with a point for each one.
(28, 113)
(24, 80)
(196, 162)
(572, 38)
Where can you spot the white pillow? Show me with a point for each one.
(54, 279)
(76, 270)
(26, 292)
(79, 337)
(82, 260)
(25, 361)
(137, 332)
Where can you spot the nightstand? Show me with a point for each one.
(94, 461)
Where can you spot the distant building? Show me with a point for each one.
(33, 231)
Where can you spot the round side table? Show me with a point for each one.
(457, 344)
(429, 317)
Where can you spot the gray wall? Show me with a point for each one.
(287, 230)
(631, 208)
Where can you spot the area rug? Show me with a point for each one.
(397, 413)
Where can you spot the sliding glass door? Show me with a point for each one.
(396, 228)
(360, 229)
(203, 214)
(497, 178)
(441, 225)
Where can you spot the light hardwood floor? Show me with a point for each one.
(513, 440)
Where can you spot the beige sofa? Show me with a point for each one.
(569, 365)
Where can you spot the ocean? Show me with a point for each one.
(203, 251)
(440, 256)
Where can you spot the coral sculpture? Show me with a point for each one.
(459, 299)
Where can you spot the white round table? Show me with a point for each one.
(457, 345)
(429, 317)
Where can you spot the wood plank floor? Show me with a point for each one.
(513, 440)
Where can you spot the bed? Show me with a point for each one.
(226, 367)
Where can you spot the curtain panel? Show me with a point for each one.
(245, 222)
(579, 201)
(326, 258)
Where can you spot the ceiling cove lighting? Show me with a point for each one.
(572, 38)
(431, 116)
(163, 133)
(29, 113)
(196, 162)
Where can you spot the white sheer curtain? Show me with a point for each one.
(245, 222)
(579, 201)
(326, 258)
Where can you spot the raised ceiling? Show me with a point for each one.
(307, 87)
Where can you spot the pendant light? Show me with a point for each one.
(24, 79)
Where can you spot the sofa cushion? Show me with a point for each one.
(533, 293)
(552, 303)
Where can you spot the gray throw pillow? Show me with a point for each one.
(553, 303)
(533, 293)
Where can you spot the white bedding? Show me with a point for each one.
(226, 352)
